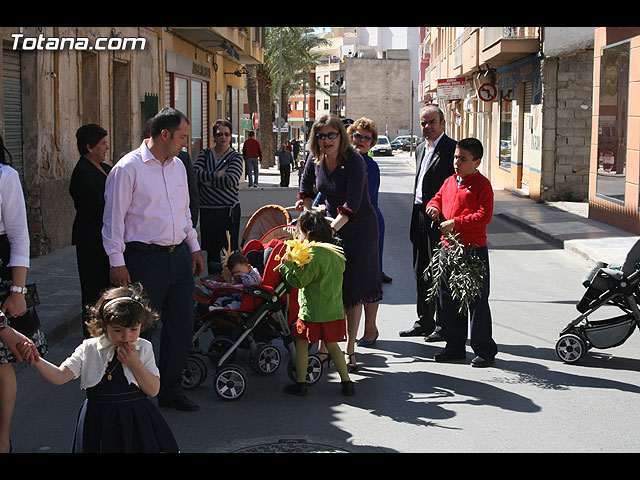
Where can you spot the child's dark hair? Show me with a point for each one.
(315, 226)
(473, 146)
(124, 306)
(236, 258)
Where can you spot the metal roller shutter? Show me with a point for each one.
(12, 92)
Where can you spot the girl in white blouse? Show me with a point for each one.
(117, 369)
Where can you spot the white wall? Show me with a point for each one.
(563, 40)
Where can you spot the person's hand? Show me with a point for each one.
(432, 212)
(29, 351)
(128, 355)
(447, 226)
(21, 346)
(119, 276)
(15, 305)
(221, 173)
(320, 208)
(197, 263)
(299, 205)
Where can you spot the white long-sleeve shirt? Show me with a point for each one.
(13, 216)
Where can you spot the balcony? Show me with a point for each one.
(504, 45)
(236, 42)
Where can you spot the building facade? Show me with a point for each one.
(525, 93)
(55, 79)
(614, 171)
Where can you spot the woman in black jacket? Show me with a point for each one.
(87, 190)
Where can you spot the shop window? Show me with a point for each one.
(189, 96)
(505, 133)
(612, 122)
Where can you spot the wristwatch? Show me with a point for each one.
(15, 289)
(4, 321)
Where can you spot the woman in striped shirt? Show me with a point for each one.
(219, 172)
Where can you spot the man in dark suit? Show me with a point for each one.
(434, 164)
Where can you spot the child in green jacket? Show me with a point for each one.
(319, 283)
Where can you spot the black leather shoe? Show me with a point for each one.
(414, 332)
(297, 388)
(348, 388)
(481, 362)
(181, 403)
(434, 337)
(448, 357)
(386, 279)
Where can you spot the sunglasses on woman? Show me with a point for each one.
(360, 136)
(331, 135)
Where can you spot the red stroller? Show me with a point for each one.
(266, 313)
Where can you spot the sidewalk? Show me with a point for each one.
(564, 225)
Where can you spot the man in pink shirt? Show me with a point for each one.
(149, 238)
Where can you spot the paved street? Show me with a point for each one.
(405, 402)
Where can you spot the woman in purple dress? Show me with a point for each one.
(338, 172)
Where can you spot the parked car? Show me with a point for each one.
(416, 141)
(399, 143)
(383, 147)
(402, 142)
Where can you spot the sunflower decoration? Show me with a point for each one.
(297, 251)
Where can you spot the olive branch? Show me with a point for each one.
(464, 270)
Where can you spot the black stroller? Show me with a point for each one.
(607, 285)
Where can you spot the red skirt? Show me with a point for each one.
(313, 332)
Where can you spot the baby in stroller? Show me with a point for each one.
(242, 273)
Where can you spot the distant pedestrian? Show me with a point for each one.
(296, 151)
(285, 161)
(150, 239)
(252, 153)
(117, 369)
(465, 200)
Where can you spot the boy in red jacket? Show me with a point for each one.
(465, 200)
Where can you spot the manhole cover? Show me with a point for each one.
(290, 446)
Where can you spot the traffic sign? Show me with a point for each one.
(487, 92)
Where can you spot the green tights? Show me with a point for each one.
(302, 359)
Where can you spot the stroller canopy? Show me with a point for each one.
(265, 219)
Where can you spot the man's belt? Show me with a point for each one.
(152, 247)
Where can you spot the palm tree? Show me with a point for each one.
(297, 44)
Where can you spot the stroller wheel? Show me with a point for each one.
(266, 360)
(570, 348)
(230, 382)
(218, 347)
(314, 370)
(194, 373)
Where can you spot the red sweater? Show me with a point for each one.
(470, 206)
(251, 149)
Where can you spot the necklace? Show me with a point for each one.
(109, 372)
(217, 156)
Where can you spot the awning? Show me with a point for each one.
(525, 70)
